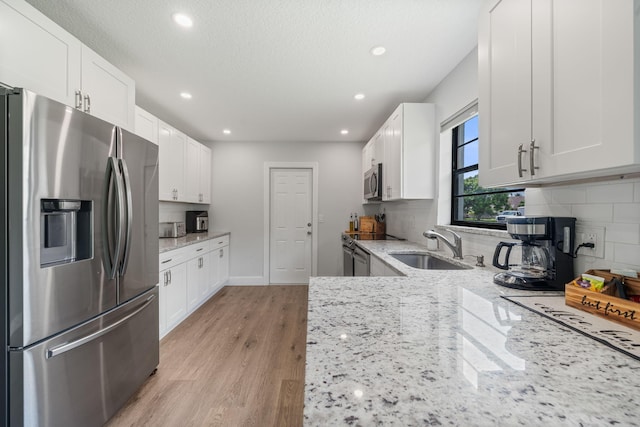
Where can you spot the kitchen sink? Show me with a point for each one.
(426, 261)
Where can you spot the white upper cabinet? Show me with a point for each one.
(185, 167)
(205, 174)
(558, 95)
(146, 125)
(408, 169)
(37, 54)
(107, 92)
(171, 163)
(198, 172)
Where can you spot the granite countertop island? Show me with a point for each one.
(442, 348)
(169, 243)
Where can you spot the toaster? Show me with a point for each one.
(172, 229)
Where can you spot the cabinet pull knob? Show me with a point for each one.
(532, 162)
(520, 153)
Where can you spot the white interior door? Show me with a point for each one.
(290, 229)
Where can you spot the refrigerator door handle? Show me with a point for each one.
(129, 215)
(111, 257)
(63, 348)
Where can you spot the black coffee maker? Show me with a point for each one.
(543, 259)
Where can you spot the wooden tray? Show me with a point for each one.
(607, 304)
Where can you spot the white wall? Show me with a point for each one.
(237, 198)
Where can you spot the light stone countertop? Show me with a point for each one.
(442, 348)
(169, 244)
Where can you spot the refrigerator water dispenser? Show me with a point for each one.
(65, 231)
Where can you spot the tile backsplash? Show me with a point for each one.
(614, 205)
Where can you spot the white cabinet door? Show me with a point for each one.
(176, 295)
(223, 266)
(171, 155)
(504, 58)
(583, 75)
(194, 267)
(146, 125)
(108, 93)
(554, 98)
(162, 309)
(205, 174)
(214, 273)
(192, 171)
(37, 54)
(409, 153)
(392, 167)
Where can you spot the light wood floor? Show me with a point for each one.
(237, 361)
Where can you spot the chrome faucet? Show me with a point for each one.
(456, 246)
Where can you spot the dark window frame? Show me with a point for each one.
(456, 172)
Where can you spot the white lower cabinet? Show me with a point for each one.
(189, 276)
(173, 296)
(378, 268)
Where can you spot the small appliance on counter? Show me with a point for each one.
(197, 221)
(543, 258)
(172, 229)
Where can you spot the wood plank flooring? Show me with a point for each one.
(239, 360)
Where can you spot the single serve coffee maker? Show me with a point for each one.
(542, 259)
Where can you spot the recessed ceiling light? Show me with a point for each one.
(227, 132)
(378, 50)
(182, 20)
(186, 95)
(344, 131)
(359, 96)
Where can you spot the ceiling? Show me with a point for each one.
(275, 70)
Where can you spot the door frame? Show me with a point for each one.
(268, 166)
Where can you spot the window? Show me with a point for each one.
(471, 204)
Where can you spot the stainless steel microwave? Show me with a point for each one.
(373, 183)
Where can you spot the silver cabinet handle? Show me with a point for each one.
(169, 276)
(166, 261)
(87, 104)
(221, 253)
(58, 350)
(79, 100)
(166, 279)
(520, 153)
(129, 212)
(532, 162)
(309, 233)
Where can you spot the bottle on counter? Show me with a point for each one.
(351, 225)
(355, 223)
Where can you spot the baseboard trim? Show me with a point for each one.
(246, 281)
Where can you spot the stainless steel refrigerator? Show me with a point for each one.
(78, 263)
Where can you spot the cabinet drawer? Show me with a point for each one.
(172, 258)
(198, 249)
(220, 242)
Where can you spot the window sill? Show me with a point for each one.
(475, 230)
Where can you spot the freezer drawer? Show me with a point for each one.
(82, 377)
